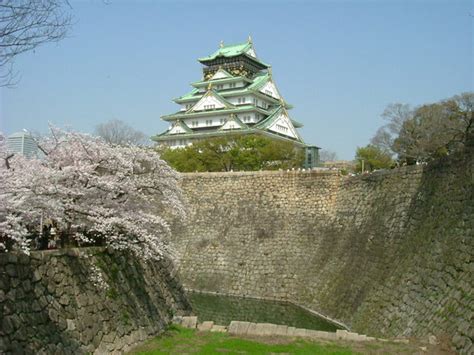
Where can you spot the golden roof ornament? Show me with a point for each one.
(269, 71)
(221, 45)
(249, 39)
(209, 87)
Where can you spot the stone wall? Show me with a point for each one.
(83, 300)
(388, 254)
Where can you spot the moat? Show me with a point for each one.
(224, 309)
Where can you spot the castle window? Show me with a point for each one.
(209, 107)
(241, 100)
(232, 85)
(208, 122)
(195, 123)
(282, 128)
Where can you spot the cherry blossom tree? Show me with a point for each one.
(95, 193)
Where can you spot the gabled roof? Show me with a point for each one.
(274, 117)
(233, 119)
(221, 74)
(178, 128)
(213, 96)
(257, 83)
(234, 50)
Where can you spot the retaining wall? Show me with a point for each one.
(84, 301)
(389, 254)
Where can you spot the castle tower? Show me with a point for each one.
(237, 95)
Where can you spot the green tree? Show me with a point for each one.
(236, 152)
(428, 131)
(436, 130)
(372, 158)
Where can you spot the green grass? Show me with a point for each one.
(178, 340)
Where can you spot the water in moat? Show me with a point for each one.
(224, 309)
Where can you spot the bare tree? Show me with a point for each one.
(327, 155)
(395, 115)
(26, 24)
(119, 133)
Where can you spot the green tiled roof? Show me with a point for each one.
(229, 51)
(189, 95)
(202, 83)
(236, 109)
(259, 81)
(232, 50)
(296, 124)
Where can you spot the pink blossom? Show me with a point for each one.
(92, 191)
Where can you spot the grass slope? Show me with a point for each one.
(178, 340)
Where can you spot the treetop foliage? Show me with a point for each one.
(372, 158)
(234, 152)
(426, 132)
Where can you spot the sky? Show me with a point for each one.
(339, 63)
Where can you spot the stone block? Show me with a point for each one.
(205, 326)
(177, 320)
(341, 334)
(189, 322)
(238, 327)
(219, 328)
(265, 329)
(291, 331)
(299, 332)
(315, 334)
(281, 330)
(252, 328)
(71, 325)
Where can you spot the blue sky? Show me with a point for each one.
(338, 62)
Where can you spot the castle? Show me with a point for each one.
(237, 95)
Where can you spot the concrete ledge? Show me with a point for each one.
(269, 329)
